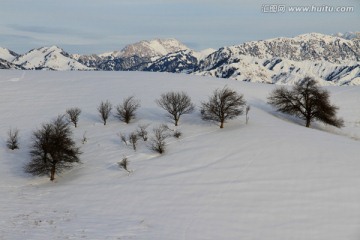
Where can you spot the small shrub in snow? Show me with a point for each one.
(13, 139)
(126, 111)
(73, 115)
(142, 132)
(157, 142)
(104, 110)
(84, 138)
(124, 163)
(247, 113)
(123, 138)
(133, 138)
(177, 134)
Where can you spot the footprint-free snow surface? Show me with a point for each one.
(269, 179)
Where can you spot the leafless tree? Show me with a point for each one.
(126, 111)
(104, 110)
(52, 149)
(157, 142)
(307, 101)
(223, 104)
(142, 132)
(176, 104)
(73, 115)
(13, 139)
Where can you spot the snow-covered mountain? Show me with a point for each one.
(312, 47)
(8, 65)
(283, 71)
(7, 54)
(51, 58)
(182, 61)
(153, 48)
(348, 35)
(133, 56)
(331, 59)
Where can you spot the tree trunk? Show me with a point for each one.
(52, 174)
(308, 121)
(222, 124)
(176, 119)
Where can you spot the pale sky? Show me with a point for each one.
(97, 26)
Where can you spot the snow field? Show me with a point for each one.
(270, 179)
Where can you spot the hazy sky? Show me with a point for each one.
(96, 26)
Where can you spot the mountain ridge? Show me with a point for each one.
(330, 59)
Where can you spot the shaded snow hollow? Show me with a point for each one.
(270, 179)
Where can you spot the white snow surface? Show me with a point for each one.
(269, 179)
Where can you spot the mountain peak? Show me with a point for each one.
(52, 58)
(153, 48)
(348, 35)
(7, 54)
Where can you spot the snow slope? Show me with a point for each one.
(271, 179)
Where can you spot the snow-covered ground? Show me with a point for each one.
(270, 179)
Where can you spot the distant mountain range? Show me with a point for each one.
(330, 59)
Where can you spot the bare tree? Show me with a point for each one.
(52, 149)
(307, 101)
(157, 142)
(176, 104)
(126, 111)
(73, 115)
(142, 132)
(13, 139)
(105, 110)
(223, 104)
